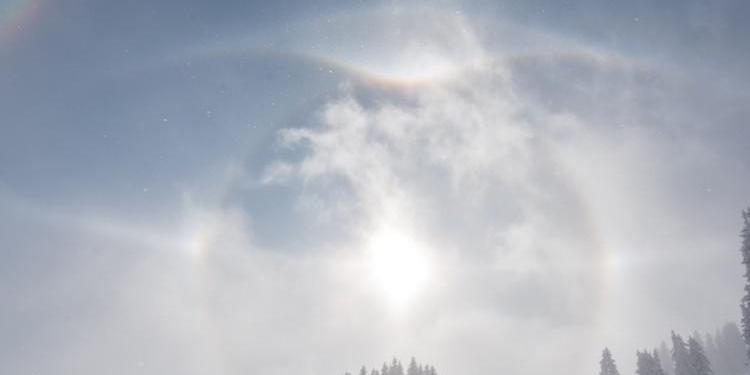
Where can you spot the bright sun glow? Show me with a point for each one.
(399, 266)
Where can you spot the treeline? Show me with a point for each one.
(726, 352)
(722, 353)
(395, 368)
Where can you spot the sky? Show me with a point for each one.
(298, 187)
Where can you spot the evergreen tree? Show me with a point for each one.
(680, 356)
(607, 364)
(648, 363)
(666, 359)
(643, 366)
(713, 353)
(730, 356)
(413, 368)
(697, 360)
(396, 367)
(656, 364)
(745, 304)
(699, 339)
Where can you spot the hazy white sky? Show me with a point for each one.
(298, 188)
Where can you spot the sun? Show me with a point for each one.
(399, 267)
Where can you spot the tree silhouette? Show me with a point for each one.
(666, 359)
(413, 369)
(697, 361)
(730, 358)
(396, 368)
(680, 355)
(648, 363)
(745, 304)
(607, 364)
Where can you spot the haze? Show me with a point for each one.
(288, 187)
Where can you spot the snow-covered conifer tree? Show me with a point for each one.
(745, 304)
(608, 366)
(697, 360)
(680, 356)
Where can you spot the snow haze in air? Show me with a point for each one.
(299, 187)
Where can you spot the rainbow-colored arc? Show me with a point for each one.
(15, 15)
